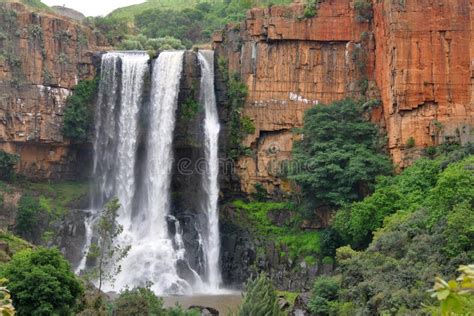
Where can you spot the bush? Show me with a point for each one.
(7, 165)
(41, 283)
(260, 298)
(356, 222)
(28, 218)
(336, 163)
(325, 290)
(311, 8)
(138, 301)
(410, 143)
(364, 10)
(78, 114)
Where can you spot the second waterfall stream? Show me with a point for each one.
(134, 161)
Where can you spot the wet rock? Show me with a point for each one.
(300, 308)
(205, 311)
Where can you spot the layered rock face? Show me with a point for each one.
(424, 69)
(289, 64)
(43, 56)
(414, 55)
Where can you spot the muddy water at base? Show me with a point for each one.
(223, 303)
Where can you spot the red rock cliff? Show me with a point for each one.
(43, 56)
(417, 57)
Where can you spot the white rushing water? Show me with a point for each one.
(210, 177)
(141, 179)
(116, 127)
(152, 257)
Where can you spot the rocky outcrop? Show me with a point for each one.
(245, 253)
(289, 64)
(43, 57)
(424, 69)
(416, 56)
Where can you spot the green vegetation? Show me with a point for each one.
(78, 114)
(292, 241)
(410, 143)
(311, 8)
(6, 303)
(456, 297)
(421, 221)
(260, 298)
(336, 163)
(191, 108)
(364, 10)
(41, 283)
(239, 126)
(138, 301)
(14, 243)
(105, 252)
(325, 290)
(141, 42)
(192, 22)
(41, 204)
(7, 165)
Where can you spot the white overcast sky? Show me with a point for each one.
(93, 7)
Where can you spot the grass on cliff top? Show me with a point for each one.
(33, 4)
(56, 198)
(293, 241)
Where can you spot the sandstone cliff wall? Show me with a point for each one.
(289, 64)
(424, 69)
(42, 58)
(416, 56)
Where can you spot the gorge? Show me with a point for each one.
(196, 139)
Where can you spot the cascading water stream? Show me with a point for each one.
(152, 257)
(133, 160)
(210, 176)
(116, 128)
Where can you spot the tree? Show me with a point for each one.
(78, 117)
(106, 253)
(138, 301)
(325, 291)
(339, 156)
(260, 298)
(456, 297)
(7, 165)
(42, 283)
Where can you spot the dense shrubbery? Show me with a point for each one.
(339, 155)
(41, 283)
(138, 301)
(29, 216)
(426, 217)
(260, 298)
(192, 22)
(7, 165)
(292, 241)
(141, 42)
(78, 114)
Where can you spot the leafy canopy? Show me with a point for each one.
(260, 298)
(78, 115)
(41, 283)
(339, 155)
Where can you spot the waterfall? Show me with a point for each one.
(152, 257)
(133, 161)
(116, 128)
(210, 177)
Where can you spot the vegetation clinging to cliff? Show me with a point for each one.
(336, 163)
(78, 114)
